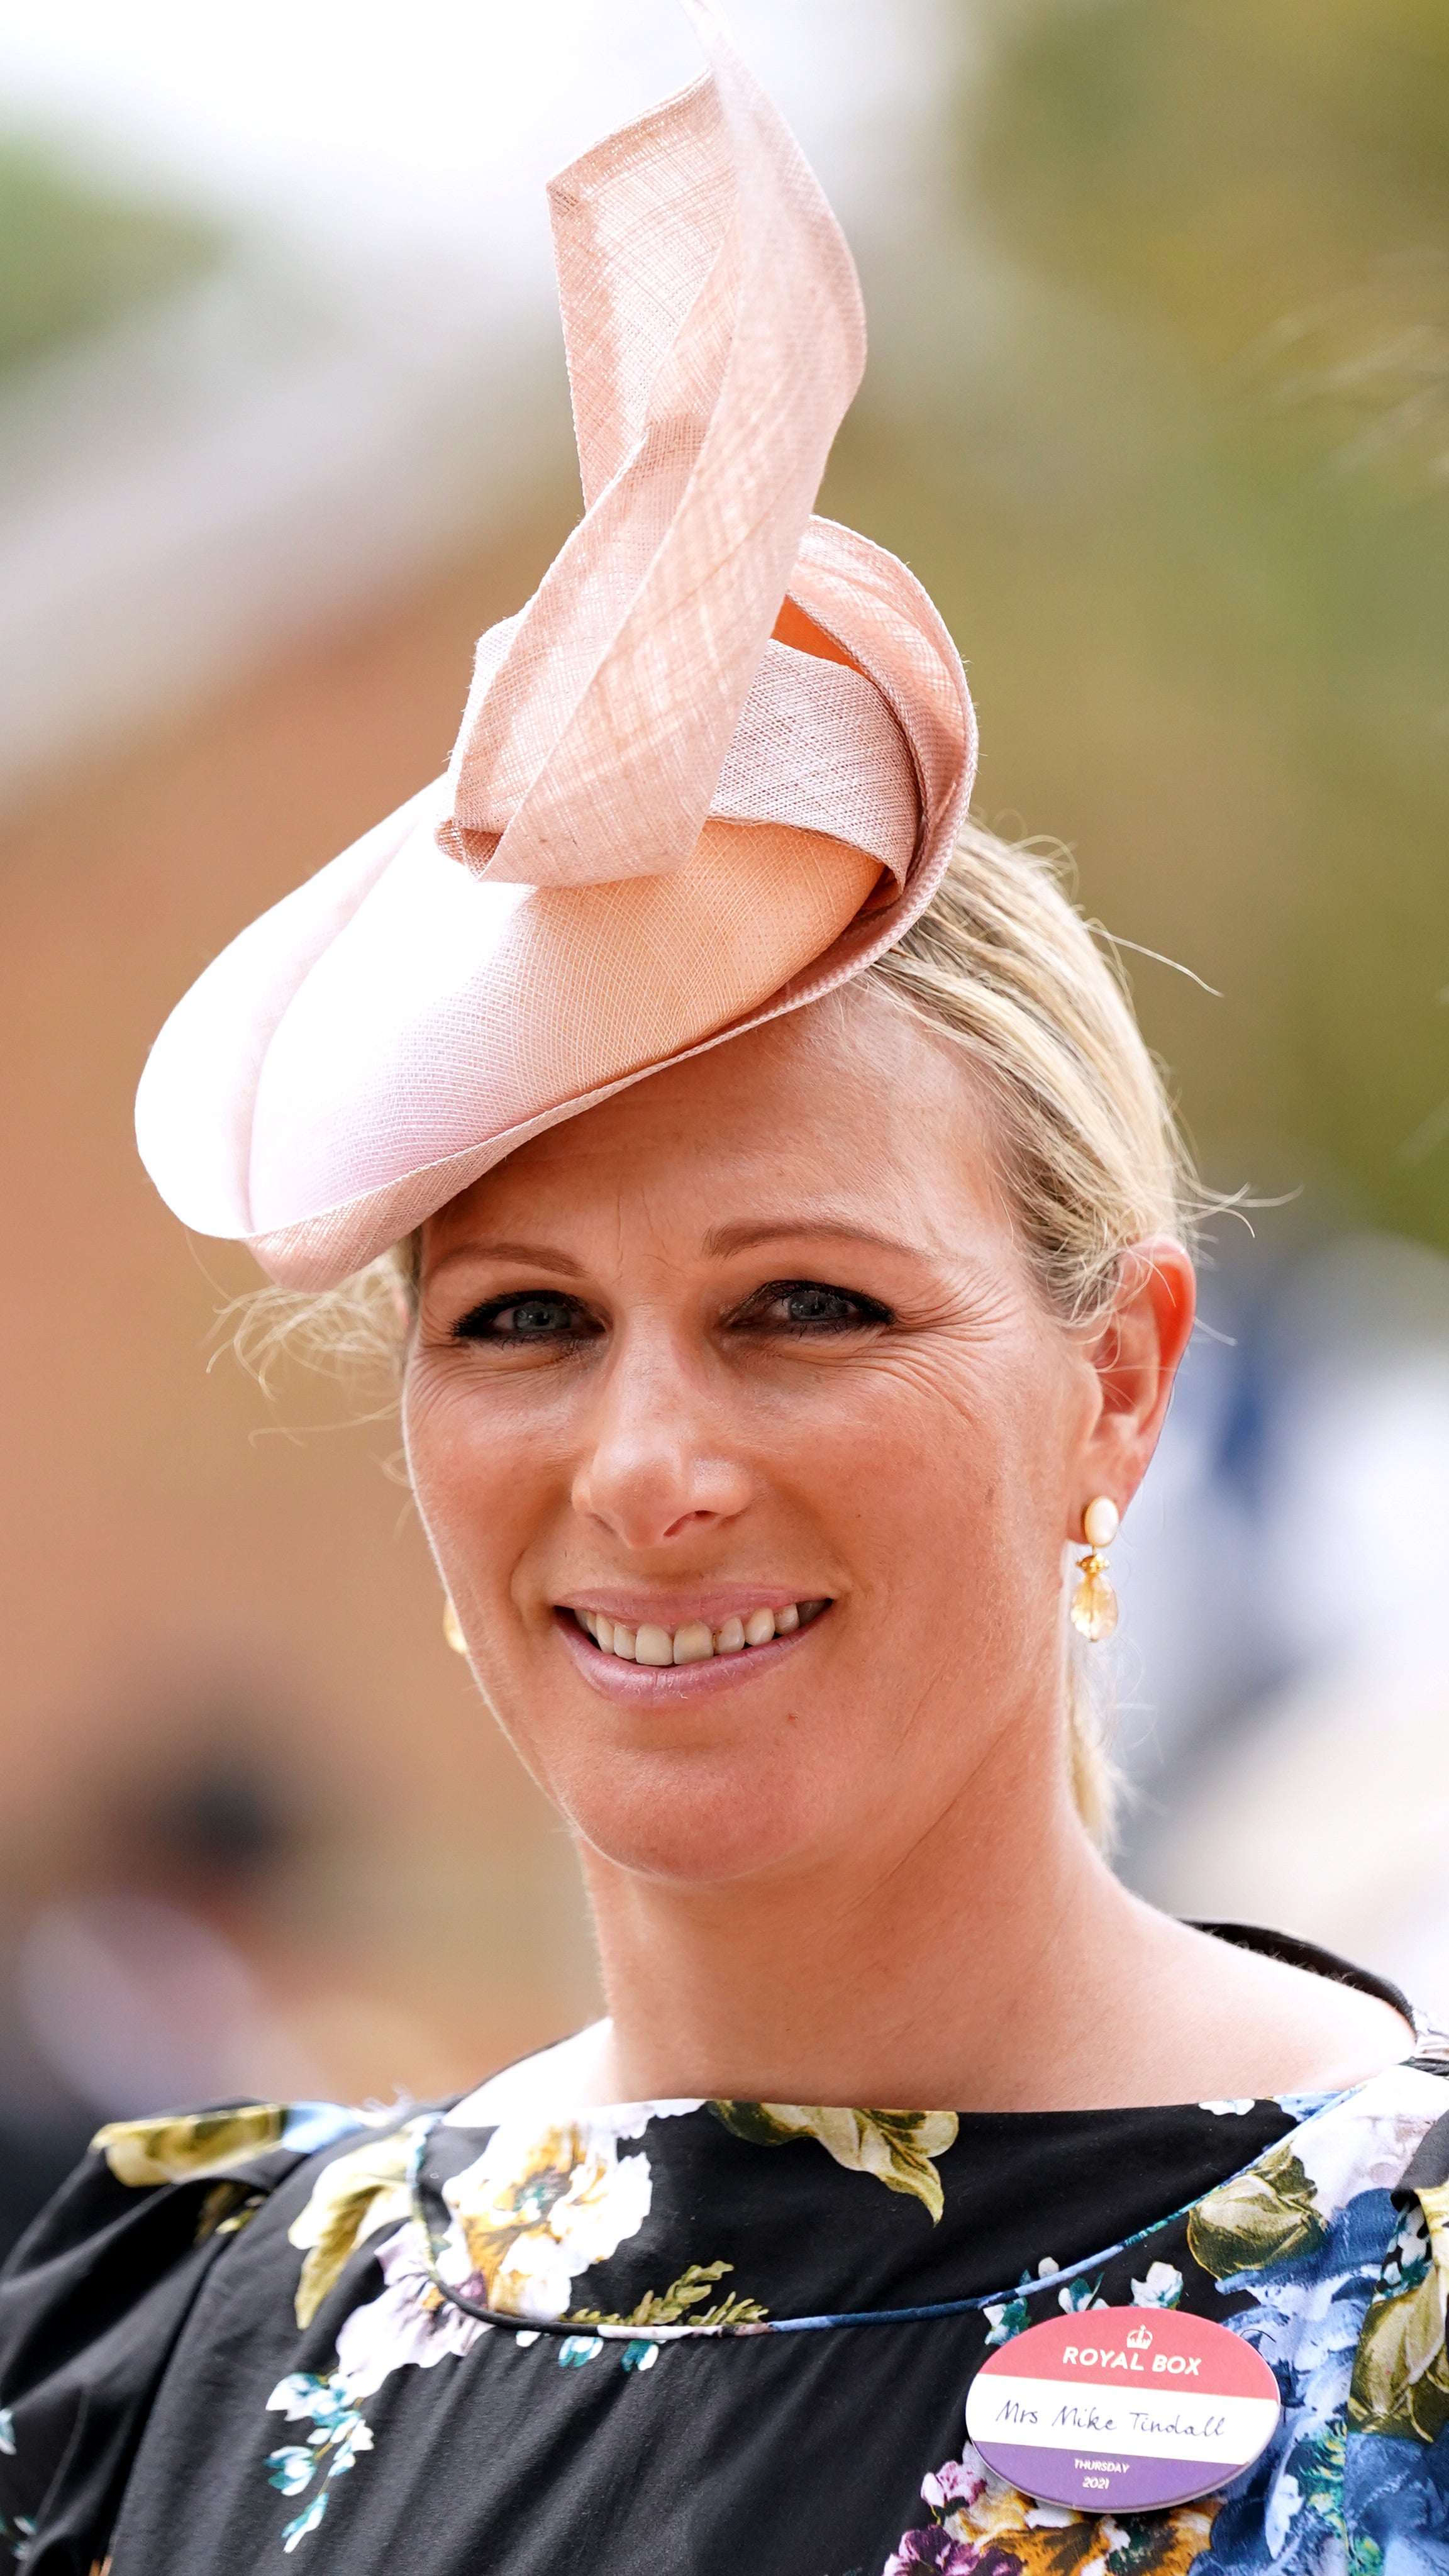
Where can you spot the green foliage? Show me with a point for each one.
(1220, 161)
(74, 255)
(683, 2303)
(1178, 474)
(1266, 2216)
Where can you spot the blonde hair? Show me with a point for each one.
(1089, 1154)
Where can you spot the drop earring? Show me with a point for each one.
(1094, 1603)
(451, 1629)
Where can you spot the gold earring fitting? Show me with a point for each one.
(1094, 1603)
(451, 1629)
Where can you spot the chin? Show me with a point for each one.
(696, 1824)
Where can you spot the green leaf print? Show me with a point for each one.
(897, 2147)
(352, 2197)
(1319, 2471)
(1401, 2372)
(145, 2152)
(677, 2305)
(1265, 2216)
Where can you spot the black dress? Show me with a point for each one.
(708, 2339)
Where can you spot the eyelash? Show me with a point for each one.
(473, 1327)
(868, 1312)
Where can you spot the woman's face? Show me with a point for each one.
(752, 1345)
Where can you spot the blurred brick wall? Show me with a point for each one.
(189, 1592)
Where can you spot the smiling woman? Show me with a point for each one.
(997, 1016)
(780, 1216)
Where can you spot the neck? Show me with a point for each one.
(981, 1964)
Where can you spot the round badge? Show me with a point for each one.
(1122, 2410)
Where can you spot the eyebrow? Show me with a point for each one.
(543, 1254)
(720, 1242)
(725, 1239)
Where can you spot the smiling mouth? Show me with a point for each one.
(695, 1642)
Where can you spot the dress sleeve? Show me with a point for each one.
(94, 2296)
(1396, 2468)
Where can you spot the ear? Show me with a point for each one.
(1135, 1354)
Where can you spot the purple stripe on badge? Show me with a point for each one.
(1107, 2481)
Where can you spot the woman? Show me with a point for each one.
(752, 1391)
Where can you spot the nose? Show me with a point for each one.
(657, 1465)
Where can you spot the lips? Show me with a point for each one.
(685, 1666)
(696, 1641)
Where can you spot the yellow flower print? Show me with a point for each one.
(1002, 2531)
(190, 2147)
(539, 2207)
(895, 2146)
(1153, 2544)
(352, 2198)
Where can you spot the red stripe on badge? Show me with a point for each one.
(1142, 2347)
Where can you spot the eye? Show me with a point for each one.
(541, 1316)
(810, 1306)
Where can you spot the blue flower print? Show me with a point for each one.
(1162, 2287)
(1009, 2317)
(15, 2536)
(1076, 2296)
(1287, 2515)
(340, 2433)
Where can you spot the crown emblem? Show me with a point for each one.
(1140, 2339)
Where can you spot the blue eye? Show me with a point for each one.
(820, 1306)
(537, 1318)
(810, 1306)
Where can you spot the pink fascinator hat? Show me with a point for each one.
(710, 771)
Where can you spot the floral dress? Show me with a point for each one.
(708, 2338)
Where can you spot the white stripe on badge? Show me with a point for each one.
(1056, 2414)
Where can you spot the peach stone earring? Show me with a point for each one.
(451, 1629)
(1094, 1603)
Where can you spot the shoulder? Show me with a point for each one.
(95, 2294)
(1268, 2014)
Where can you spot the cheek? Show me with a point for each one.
(480, 1485)
(962, 1470)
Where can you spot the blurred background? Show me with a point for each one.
(1159, 409)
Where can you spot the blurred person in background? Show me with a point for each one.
(129, 1983)
(778, 1217)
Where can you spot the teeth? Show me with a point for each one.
(695, 1643)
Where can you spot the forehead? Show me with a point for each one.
(848, 1104)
